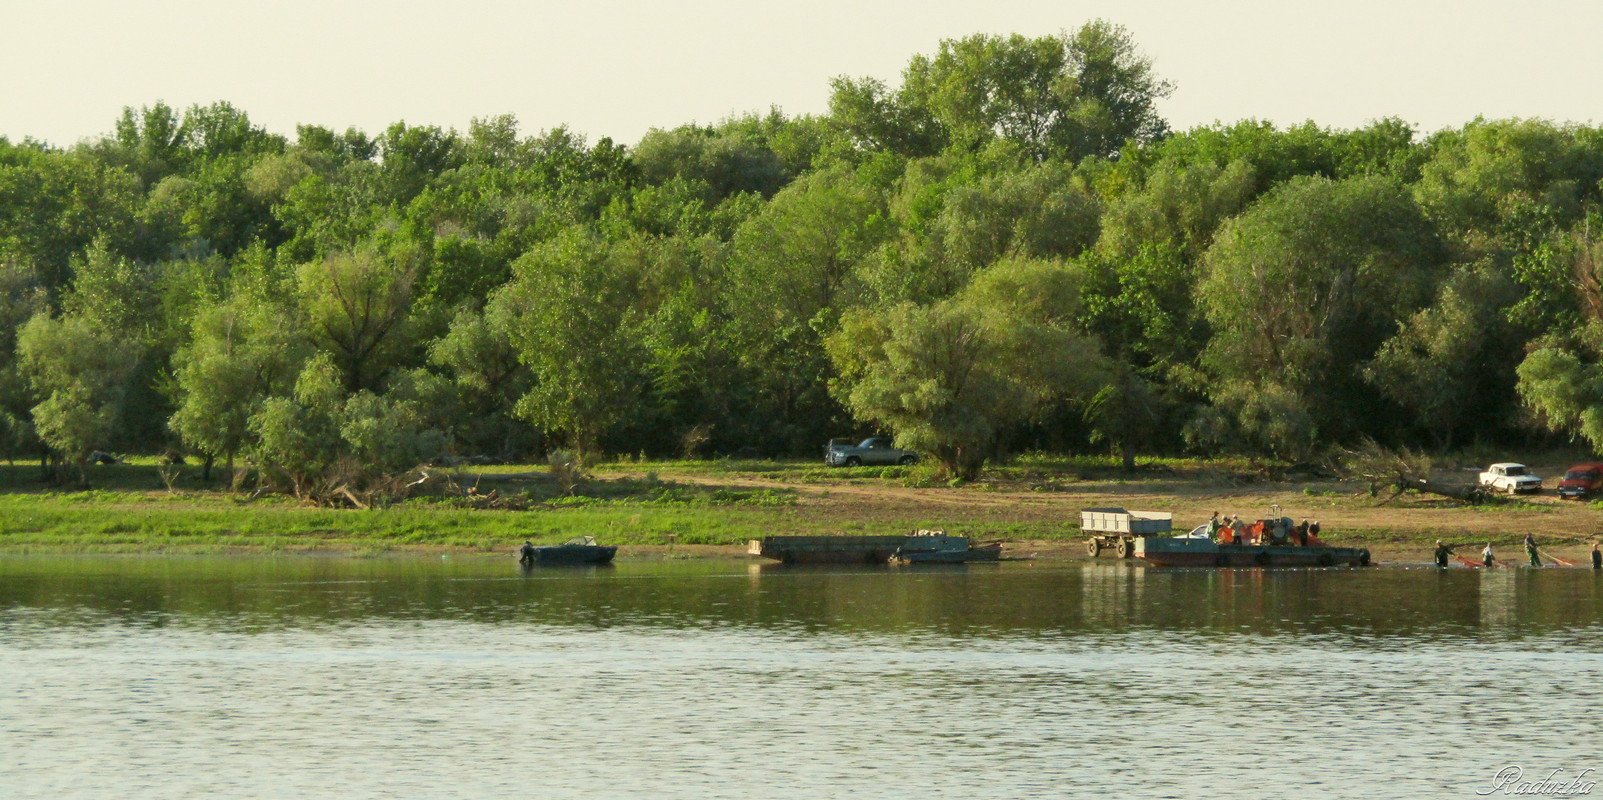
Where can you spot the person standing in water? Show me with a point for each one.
(1486, 555)
(1443, 550)
(1597, 556)
(526, 553)
(1530, 550)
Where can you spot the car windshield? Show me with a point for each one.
(1514, 471)
(1580, 475)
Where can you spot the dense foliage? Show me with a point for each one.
(1010, 248)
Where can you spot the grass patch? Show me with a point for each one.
(723, 502)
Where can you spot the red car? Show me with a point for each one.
(1581, 481)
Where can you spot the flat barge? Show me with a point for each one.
(1186, 551)
(855, 549)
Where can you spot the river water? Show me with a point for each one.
(161, 677)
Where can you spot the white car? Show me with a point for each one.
(1511, 478)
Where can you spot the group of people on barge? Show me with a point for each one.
(1233, 529)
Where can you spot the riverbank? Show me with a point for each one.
(711, 508)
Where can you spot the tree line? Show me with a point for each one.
(1009, 249)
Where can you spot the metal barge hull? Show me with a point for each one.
(1194, 552)
(981, 553)
(849, 549)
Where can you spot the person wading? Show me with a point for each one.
(1486, 555)
(1443, 550)
(1597, 556)
(526, 553)
(1530, 550)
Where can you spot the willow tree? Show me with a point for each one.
(952, 377)
(1561, 379)
(80, 370)
(241, 352)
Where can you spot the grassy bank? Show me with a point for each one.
(1034, 500)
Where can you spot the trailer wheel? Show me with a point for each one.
(1124, 547)
(1093, 546)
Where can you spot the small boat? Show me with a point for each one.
(990, 551)
(578, 550)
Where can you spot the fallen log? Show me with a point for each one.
(1464, 494)
(345, 492)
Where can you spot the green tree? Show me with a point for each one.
(1561, 378)
(1073, 95)
(113, 290)
(1179, 207)
(1035, 213)
(725, 161)
(1126, 412)
(413, 155)
(241, 352)
(1562, 381)
(297, 438)
(385, 436)
(151, 142)
(569, 313)
(792, 269)
(80, 371)
(489, 379)
(1451, 362)
(53, 205)
(21, 298)
(1305, 286)
(1473, 173)
(951, 378)
(356, 305)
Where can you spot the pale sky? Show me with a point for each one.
(618, 67)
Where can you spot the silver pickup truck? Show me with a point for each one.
(873, 450)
